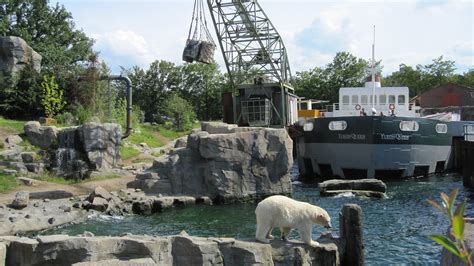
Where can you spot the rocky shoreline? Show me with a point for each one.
(172, 250)
(44, 214)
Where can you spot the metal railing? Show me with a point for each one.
(469, 132)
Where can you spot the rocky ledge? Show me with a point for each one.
(361, 187)
(25, 215)
(223, 162)
(173, 250)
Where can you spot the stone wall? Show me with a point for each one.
(223, 162)
(174, 250)
(75, 151)
(15, 54)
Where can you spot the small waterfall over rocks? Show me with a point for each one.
(76, 151)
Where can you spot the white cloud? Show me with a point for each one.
(124, 43)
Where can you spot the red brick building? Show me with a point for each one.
(448, 95)
(448, 98)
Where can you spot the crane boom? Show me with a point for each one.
(257, 63)
(250, 44)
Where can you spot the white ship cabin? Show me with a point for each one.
(389, 101)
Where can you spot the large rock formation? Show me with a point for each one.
(15, 54)
(75, 151)
(225, 163)
(173, 250)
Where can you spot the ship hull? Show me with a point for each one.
(376, 147)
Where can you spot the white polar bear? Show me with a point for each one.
(286, 213)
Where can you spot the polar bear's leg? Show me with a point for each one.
(262, 231)
(269, 234)
(305, 233)
(284, 232)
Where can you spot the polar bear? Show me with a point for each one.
(286, 213)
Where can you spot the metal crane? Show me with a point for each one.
(257, 63)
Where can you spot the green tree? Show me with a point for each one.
(152, 86)
(406, 76)
(20, 95)
(180, 111)
(52, 100)
(345, 70)
(202, 86)
(49, 30)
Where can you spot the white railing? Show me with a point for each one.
(469, 132)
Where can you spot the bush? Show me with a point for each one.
(181, 112)
(66, 119)
(52, 98)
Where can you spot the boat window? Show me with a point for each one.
(441, 128)
(363, 99)
(345, 100)
(355, 99)
(303, 106)
(337, 125)
(401, 99)
(409, 126)
(371, 97)
(391, 99)
(308, 126)
(383, 99)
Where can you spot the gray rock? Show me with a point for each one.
(195, 251)
(244, 253)
(101, 144)
(50, 194)
(65, 208)
(181, 142)
(218, 128)
(19, 167)
(363, 187)
(28, 157)
(101, 193)
(12, 140)
(298, 253)
(21, 200)
(25, 181)
(224, 167)
(99, 204)
(3, 254)
(43, 137)
(12, 154)
(9, 172)
(35, 167)
(15, 54)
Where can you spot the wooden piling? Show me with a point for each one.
(467, 148)
(351, 230)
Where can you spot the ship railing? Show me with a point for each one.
(469, 132)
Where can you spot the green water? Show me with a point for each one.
(395, 229)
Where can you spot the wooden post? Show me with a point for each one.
(351, 230)
(468, 167)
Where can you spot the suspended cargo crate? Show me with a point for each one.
(191, 51)
(199, 46)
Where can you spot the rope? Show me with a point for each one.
(198, 28)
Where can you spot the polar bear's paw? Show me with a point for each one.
(266, 241)
(270, 237)
(315, 244)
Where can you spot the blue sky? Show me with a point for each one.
(129, 33)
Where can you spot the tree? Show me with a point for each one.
(406, 76)
(52, 100)
(345, 70)
(180, 111)
(49, 30)
(202, 86)
(152, 86)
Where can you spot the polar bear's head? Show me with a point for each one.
(321, 217)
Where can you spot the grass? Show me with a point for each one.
(7, 183)
(128, 152)
(13, 125)
(146, 136)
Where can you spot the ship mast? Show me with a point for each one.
(373, 72)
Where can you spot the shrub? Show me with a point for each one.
(52, 99)
(456, 218)
(66, 119)
(181, 112)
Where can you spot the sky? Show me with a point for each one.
(411, 32)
